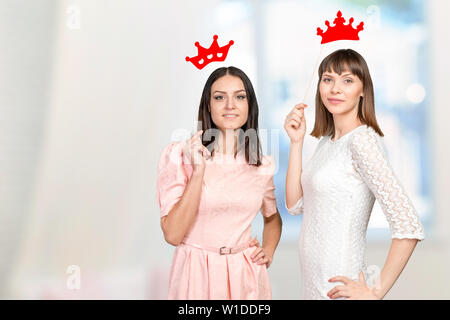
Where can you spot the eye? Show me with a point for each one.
(326, 79)
(218, 97)
(241, 97)
(348, 80)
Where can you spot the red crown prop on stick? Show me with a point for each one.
(213, 53)
(340, 31)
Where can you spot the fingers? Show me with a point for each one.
(260, 257)
(262, 260)
(339, 294)
(300, 113)
(195, 140)
(294, 123)
(253, 242)
(196, 149)
(300, 106)
(335, 290)
(361, 277)
(340, 278)
(197, 136)
(255, 253)
(206, 153)
(296, 117)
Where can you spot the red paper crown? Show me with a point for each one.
(340, 31)
(214, 53)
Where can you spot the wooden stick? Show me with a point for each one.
(312, 76)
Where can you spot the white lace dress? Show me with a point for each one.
(340, 184)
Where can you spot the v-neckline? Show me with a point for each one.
(346, 134)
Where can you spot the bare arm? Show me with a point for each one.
(293, 177)
(399, 254)
(295, 126)
(271, 237)
(178, 221)
(271, 233)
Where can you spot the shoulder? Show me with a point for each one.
(366, 135)
(366, 139)
(268, 160)
(172, 153)
(267, 166)
(173, 146)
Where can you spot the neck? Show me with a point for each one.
(344, 123)
(227, 142)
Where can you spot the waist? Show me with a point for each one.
(220, 250)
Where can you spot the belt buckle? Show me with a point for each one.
(222, 248)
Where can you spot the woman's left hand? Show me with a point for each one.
(352, 290)
(259, 256)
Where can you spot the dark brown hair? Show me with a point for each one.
(253, 153)
(351, 61)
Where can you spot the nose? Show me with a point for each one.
(229, 105)
(335, 88)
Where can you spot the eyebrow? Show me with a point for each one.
(225, 92)
(342, 75)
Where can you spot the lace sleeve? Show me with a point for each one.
(370, 161)
(297, 208)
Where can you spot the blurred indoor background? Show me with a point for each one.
(92, 90)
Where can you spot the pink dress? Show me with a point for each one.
(233, 193)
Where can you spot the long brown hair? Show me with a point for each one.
(253, 152)
(340, 61)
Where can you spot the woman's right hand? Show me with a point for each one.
(295, 123)
(195, 153)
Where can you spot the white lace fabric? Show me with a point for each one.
(297, 208)
(370, 161)
(340, 184)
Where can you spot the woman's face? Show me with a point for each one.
(340, 93)
(229, 104)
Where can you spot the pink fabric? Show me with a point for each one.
(232, 194)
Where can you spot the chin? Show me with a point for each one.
(331, 110)
(231, 126)
(337, 109)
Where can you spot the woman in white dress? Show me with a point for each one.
(337, 189)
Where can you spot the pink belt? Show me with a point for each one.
(221, 250)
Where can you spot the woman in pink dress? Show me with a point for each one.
(210, 188)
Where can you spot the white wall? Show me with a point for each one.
(26, 33)
(120, 86)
